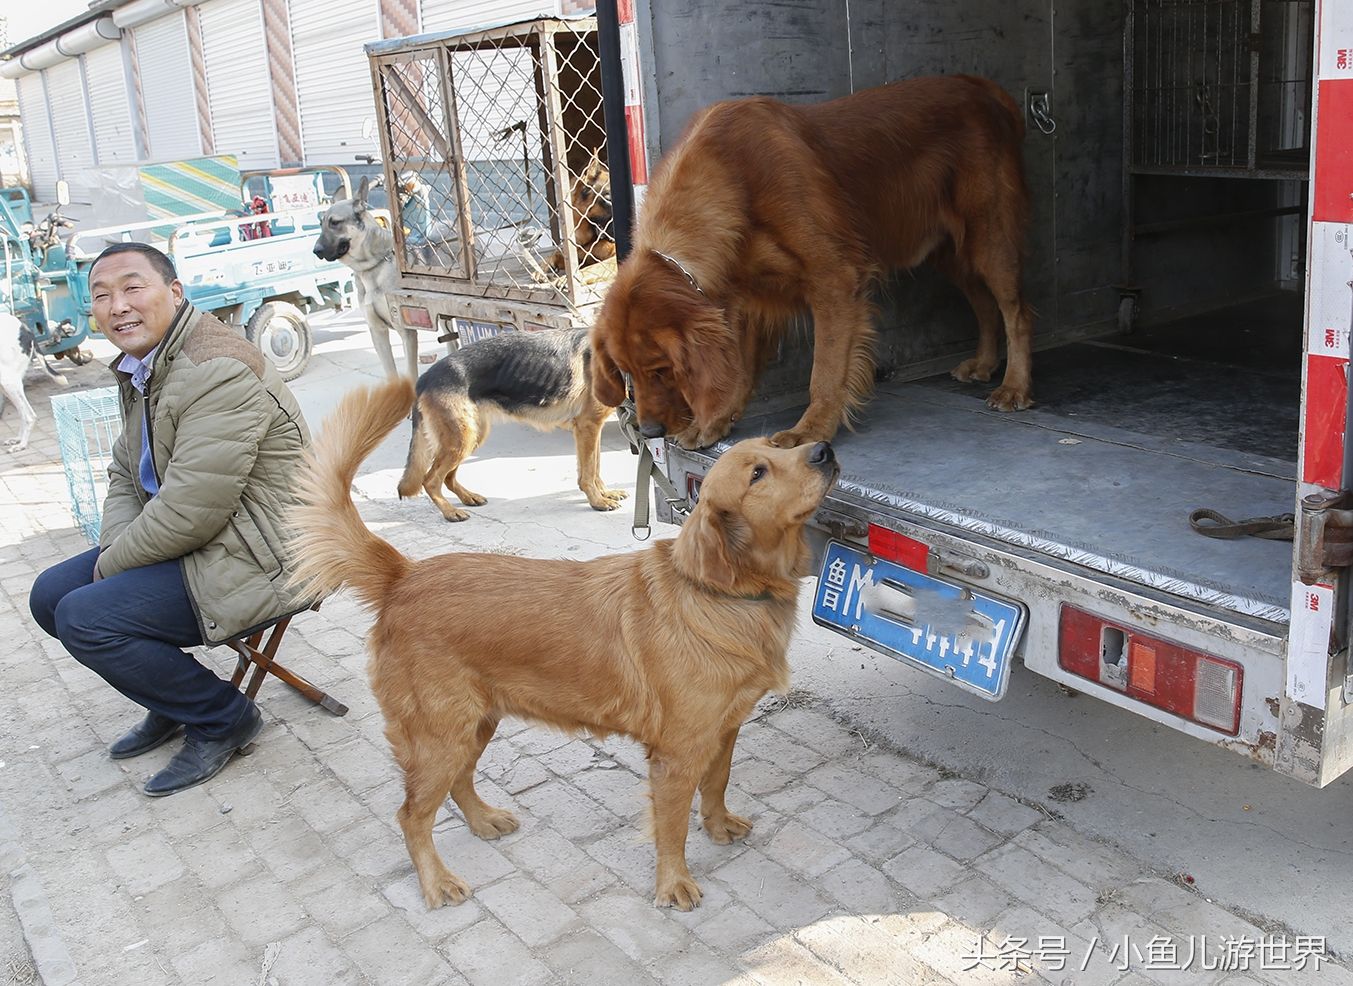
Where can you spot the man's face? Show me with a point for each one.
(133, 306)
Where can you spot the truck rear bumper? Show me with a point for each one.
(1049, 586)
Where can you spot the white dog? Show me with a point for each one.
(16, 356)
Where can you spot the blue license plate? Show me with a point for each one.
(949, 630)
(474, 331)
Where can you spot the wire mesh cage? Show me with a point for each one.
(87, 425)
(495, 144)
(1219, 86)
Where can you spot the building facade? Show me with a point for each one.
(276, 83)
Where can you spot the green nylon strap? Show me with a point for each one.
(649, 471)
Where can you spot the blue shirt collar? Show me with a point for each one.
(138, 368)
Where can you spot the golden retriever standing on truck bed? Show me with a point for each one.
(672, 645)
(766, 209)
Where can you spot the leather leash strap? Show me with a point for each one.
(1210, 523)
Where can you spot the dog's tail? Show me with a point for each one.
(421, 452)
(332, 546)
(51, 373)
(28, 343)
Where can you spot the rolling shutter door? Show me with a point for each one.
(456, 15)
(167, 88)
(110, 105)
(37, 134)
(333, 82)
(70, 125)
(238, 87)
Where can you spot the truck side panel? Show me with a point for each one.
(706, 51)
(1316, 743)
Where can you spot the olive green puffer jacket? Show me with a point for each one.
(227, 440)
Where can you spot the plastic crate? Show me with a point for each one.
(87, 425)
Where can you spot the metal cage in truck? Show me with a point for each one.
(1190, 257)
(495, 162)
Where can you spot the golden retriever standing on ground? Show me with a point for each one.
(672, 645)
(766, 209)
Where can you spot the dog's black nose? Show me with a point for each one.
(652, 429)
(821, 454)
(319, 252)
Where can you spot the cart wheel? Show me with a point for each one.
(281, 331)
(80, 356)
(1127, 314)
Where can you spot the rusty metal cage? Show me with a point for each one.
(496, 162)
(1220, 87)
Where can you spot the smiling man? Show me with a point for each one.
(192, 548)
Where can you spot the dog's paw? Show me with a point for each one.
(14, 445)
(472, 499)
(683, 893)
(493, 822)
(689, 438)
(794, 437)
(455, 516)
(1010, 399)
(447, 888)
(973, 371)
(728, 829)
(697, 437)
(606, 499)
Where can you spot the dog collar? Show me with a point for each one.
(389, 255)
(765, 596)
(761, 597)
(679, 266)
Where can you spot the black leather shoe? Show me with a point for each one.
(152, 731)
(201, 760)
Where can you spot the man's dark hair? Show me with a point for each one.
(162, 264)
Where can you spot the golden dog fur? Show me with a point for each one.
(672, 645)
(765, 209)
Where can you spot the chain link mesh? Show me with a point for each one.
(87, 425)
(497, 145)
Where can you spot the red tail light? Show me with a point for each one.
(905, 551)
(1188, 683)
(415, 317)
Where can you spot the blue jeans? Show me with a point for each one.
(129, 629)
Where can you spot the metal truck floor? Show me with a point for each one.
(1104, 472)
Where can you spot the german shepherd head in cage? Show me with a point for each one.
(593, 223)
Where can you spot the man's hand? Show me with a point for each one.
(97, 576)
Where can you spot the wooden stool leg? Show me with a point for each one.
(241, 657)
(264, 663)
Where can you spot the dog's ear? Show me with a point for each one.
(593, 170)
(359, 200)
(710, 547)
(710, 368)
(608, 385)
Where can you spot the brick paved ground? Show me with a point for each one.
(864, 866)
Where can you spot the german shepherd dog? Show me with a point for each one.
(350, 233)
(765, 210)
(542, 379)
(672, 645)
(593, 223)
